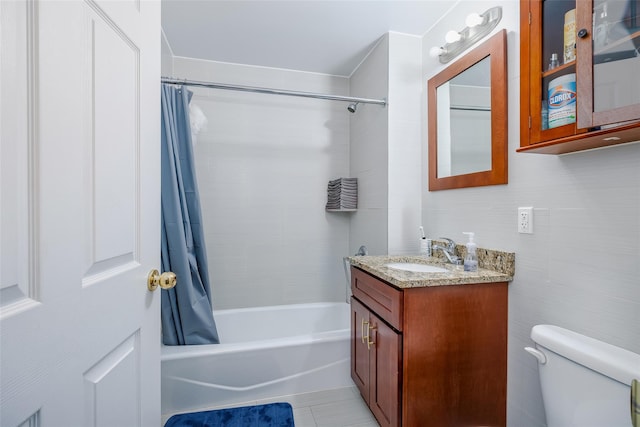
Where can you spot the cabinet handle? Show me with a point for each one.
(364, 322)
(635, 403)
(369, 342)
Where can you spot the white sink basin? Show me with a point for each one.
(416, 268)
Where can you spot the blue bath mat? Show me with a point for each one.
(270, 415)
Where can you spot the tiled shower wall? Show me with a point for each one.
(263, 163)
(386, 147)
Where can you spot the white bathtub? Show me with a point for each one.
(265, 352)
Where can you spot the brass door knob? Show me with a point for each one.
(166, 280)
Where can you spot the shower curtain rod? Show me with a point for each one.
(212, 85)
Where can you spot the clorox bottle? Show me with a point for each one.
(562, 100)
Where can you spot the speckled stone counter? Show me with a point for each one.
(494, 267)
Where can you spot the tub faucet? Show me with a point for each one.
(449, 250)
(362, 251)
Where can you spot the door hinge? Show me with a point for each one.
(529, 122)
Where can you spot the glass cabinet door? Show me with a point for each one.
(580, 81)
(555, 70)
(608, 36)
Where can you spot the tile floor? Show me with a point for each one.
(342, 407)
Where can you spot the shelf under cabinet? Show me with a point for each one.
(600, 123)
(586, 141)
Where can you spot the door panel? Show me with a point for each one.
(359, 353)
(106, 401)
(80, 334)
(16, 222)
(386, 363)
(612, 70)
(115, 147)
(112, 157)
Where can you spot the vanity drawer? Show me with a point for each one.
(382, 298)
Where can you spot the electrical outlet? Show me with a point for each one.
(525, 220)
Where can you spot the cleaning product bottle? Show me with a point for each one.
(471, 258)
(425, 244)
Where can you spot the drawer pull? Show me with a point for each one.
(369, 342)
(362, 336)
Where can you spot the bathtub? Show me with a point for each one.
(265, 352)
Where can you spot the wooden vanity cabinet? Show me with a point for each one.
(430, 356)
(606, 67)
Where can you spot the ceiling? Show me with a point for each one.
(323, 36)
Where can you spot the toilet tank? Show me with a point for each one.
(585, 382)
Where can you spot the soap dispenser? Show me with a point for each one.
(471, 258)
(425, 244)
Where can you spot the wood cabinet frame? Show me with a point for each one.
(585, 134)
(495, 49)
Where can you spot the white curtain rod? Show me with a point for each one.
(212, 85)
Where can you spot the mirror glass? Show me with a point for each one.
(464, 122)
(468, 119)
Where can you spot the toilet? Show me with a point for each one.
(585, 382)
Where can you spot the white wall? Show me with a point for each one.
(263, 164)
(580, 268)
(385, 147)
(369, 132)
(166, 58)
(404, 143)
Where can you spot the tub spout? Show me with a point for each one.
(362, 251)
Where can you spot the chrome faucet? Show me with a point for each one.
(449, 250)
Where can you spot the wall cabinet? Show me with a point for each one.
(430, 356)
(591, 97)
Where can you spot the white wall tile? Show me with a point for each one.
(385, 147)
(369, 152)
(405, 142)
(263, 164)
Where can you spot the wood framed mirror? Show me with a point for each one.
(467, 119)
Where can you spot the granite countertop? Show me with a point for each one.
(494, 266)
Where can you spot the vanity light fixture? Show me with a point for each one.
(474, 19)
(477, 27)
(452, 37)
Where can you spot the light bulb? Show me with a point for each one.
(452, 36)
(436, 51)
(474, 20)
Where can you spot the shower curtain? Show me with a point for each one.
(187, 316)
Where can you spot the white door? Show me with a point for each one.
(79, 156)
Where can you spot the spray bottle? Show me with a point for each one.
(471, 258)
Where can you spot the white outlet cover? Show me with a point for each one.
(525, 220)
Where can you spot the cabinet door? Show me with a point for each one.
(385, 371)
(608, 62)
(545, 21)
(579, 62)
(359, 352)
